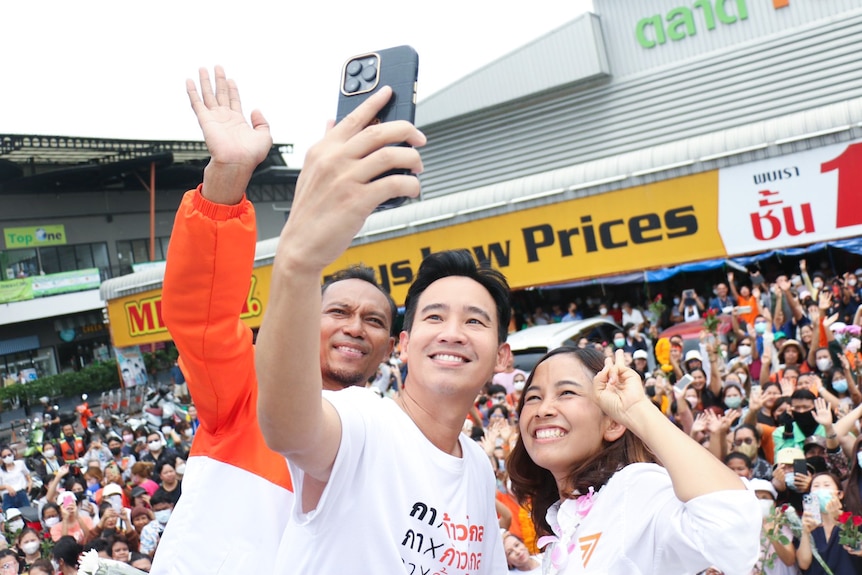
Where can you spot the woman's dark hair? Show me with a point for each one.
(852, 497)
(67, 549)
(536, 486)
(500, 408)
(117, 539)
(98, 545)
(778, 403)
(53, 506)
(460, 263)
(11, 553)
(737, 455)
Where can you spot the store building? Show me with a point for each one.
(79, 211)
(643, 136)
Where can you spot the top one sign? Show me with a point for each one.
(34, 237)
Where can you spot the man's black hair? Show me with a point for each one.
(802, 394)
(366, 274)
(460, 263)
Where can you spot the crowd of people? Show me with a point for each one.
(737, 452)
(112, 492)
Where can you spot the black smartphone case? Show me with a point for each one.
(399, 69)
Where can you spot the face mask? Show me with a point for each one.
(789, 480)
(49, 453)
(766, 507)
(116, 451)
(188, 432)
(817, 285)
(181, 469)
(692, 401)
(676, 301)
(9, 459)
(806, 422)
(851, 282)
(16, 525)
(519, 385)
(749, 450)
(163, 516)
(603, 310)
(733, 402)
(839, 385)
(154, 445)
(30, 547)
(824, 364)
(742, 377)
(760, 327)
(166, 430)
(128, 438)
(744, 350)
(633, 332)
(824, 496)
(51, 521)
(619, 342)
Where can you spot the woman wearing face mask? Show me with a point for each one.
(733, 396)
(50, 515)
(824, 534)
(781, 555)
(15, 479)
(30, 545)
(585, 458)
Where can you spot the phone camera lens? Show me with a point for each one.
(354, 68)
(369, 73)
(351, 85)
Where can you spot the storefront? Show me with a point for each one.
(677, 134)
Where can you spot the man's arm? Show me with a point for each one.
(335, 187)
(211, 255)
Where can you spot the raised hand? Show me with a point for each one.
(617, 389)
(229, 137)
(822, 413)
(699, 425)
(825, 300)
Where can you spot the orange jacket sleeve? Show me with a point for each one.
(207, 280)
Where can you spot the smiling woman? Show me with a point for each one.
(585, 460)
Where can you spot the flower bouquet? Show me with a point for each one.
(851, 536)
(711, 321)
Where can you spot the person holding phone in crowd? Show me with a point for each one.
(210, 261)
(586, 460)
(401, 469)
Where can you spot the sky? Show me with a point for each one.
(117, 69)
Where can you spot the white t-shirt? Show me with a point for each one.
(638, 526)
(394, 502)
(17, 477)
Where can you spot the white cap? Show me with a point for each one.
(762, 485)
(640, 354)
(12, 513)
(111, 489)
(693, 354)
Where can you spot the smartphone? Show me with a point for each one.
(800, 466)
(811, 504)
(743, 309)
(755, 388)
(683, 382)
(365, 74)
(688, 293)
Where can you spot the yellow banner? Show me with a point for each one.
(137, 319)
(637, 228)
(650, 226)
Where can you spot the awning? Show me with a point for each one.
(18, 344)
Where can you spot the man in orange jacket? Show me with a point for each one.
(207, 278)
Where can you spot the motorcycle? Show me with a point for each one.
(160, 409)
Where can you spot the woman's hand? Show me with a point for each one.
(10, 491)
(809, 524)
(617, 389)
